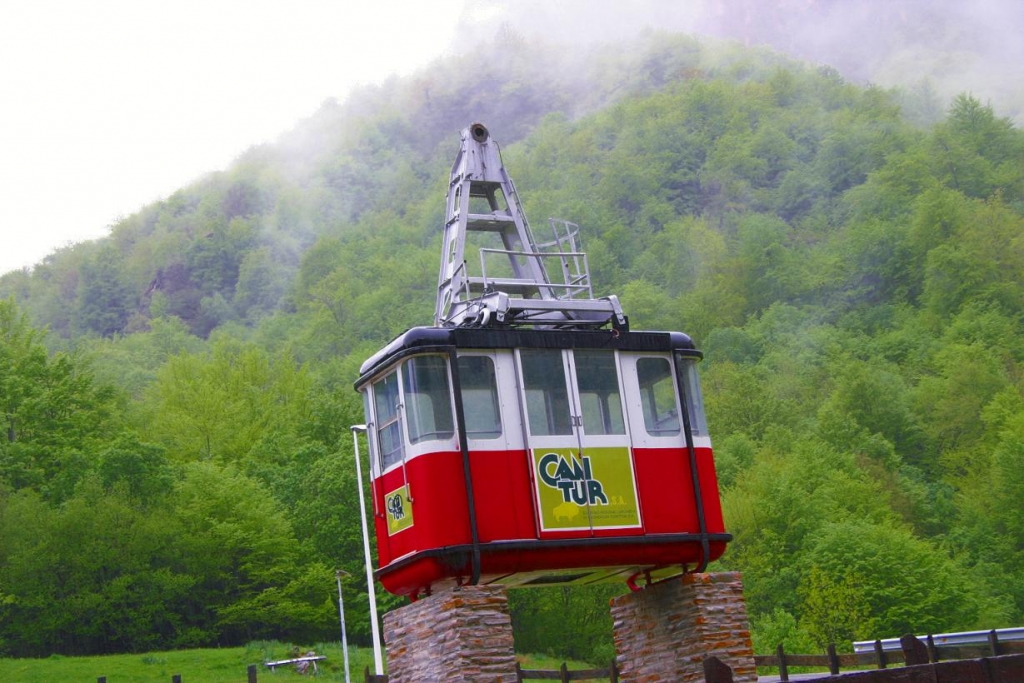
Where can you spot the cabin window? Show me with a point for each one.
(480, 405)
(428, 403)
(547, 400)
(658, 396)
(389, 428)
(600, 398)
(690, 382)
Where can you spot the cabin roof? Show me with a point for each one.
(485, 338)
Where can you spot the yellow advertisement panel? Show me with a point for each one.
(576, 491)
(398, 508)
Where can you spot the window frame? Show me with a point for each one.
(417, 429)
(655, 419)
(494, 395)
(390, 422)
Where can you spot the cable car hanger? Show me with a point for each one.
(519, 289)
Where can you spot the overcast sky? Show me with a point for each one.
(108, 105)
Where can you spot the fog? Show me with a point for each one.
(950, 46)
(118, 105)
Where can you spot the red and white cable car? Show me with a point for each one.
(529, 437)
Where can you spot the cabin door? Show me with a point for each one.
(578, 441)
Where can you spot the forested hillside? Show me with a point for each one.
(177, 468)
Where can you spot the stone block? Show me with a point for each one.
(460, 634)
(664, 632)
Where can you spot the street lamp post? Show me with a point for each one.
(341, 615)
(378, 665)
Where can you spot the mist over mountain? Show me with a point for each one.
(948, 46)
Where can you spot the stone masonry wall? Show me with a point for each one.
(460, 634)
(664, 632)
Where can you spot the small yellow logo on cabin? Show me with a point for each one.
(398, 509)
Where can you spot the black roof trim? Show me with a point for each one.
(509, 338)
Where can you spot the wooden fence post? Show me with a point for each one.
(833, 660)
(564, 673)
(251, 674)
(716, 671)
(614, 668)
(176, 678)
(780, 654)
(933, 654)
(880, 654)
(101, 679)
(914, 651)
(993, 642)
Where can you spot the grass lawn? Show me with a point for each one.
(547, 663)
(221, 665)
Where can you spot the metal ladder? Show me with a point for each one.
(485, 215)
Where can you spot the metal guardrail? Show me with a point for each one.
(572, 283)
(961, 639)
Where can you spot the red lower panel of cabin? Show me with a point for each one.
(424, 537)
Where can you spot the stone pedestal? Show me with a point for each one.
(664, 632)
(460, 634)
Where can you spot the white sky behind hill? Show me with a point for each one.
(108, 105)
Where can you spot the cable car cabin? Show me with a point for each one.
(534, 457)
(519, 440)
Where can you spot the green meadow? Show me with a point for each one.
(213, 665)
(206, 665)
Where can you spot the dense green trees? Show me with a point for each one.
(53, 413)
(175, 461)
(210, 559)
(110, 542)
